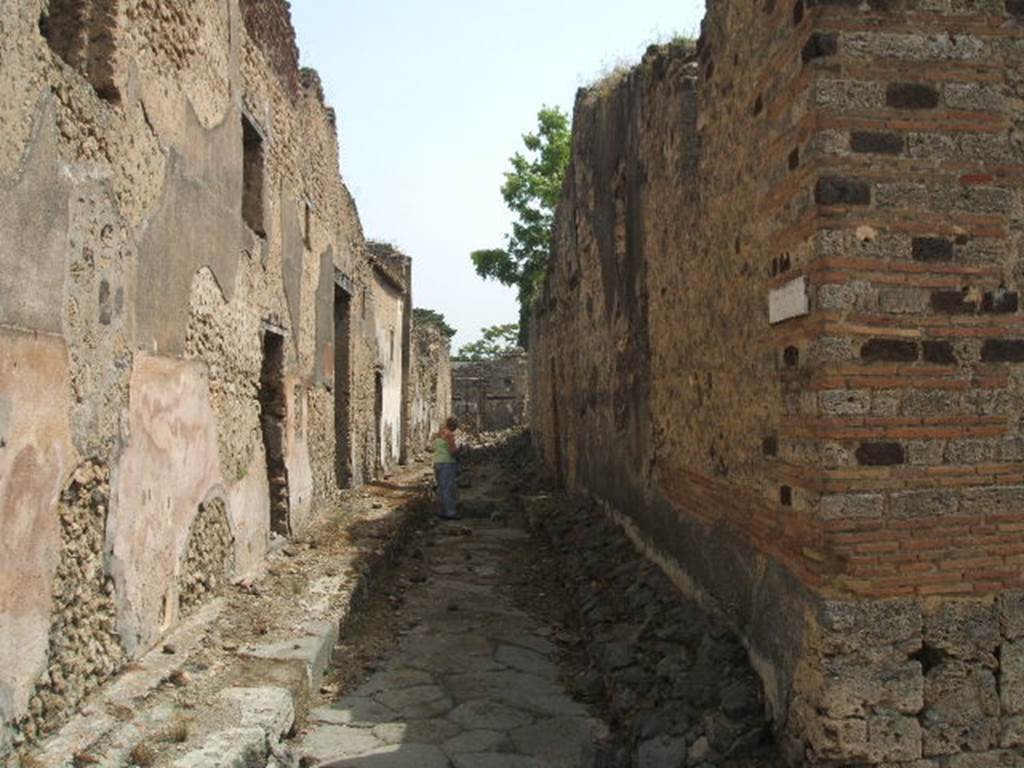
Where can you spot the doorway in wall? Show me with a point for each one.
(378, 417)
(273, 414)
(342, 444)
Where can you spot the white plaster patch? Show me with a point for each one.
(167, 469)
(789, 301)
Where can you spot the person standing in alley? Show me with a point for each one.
(446, 467)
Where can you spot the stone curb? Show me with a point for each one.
(288, 672)
(95, 722)
(313, 651)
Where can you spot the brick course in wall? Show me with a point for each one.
(782, 334)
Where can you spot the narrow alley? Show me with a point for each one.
(741, 385)
(488, 645)
(474, 680)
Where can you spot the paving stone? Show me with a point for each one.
(446, 663)
(353, 710)
(526, 661)
(327, 742)
(390, 680)
(518, 689)
(422, 701)
(494, 760)
(477, 741)
(558, 740)
(486, 714)
(395, 756)
(431, 731)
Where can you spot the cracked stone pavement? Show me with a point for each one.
(473, 684)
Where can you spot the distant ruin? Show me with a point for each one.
(781, 344)
(491, 395)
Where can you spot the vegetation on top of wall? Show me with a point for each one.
(495, 341)
(618, 70)
(421, 316)
(531, 191)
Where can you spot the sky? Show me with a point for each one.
(432, 101)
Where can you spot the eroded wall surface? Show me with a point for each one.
(430, 387)
(491, 395)
(171, 209)
(780, 341)
(389, 329)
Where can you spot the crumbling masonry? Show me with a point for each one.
(491, 395)
(781, 342)
(193, 331)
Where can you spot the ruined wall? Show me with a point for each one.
(491, 395)
(170, 209)
(430, 386)
(778, 341)
(389, 329)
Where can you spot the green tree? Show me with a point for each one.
(531, 191)
(494, 342)
(421, 316)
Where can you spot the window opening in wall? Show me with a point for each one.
(392, 349)
(378, 416)
(307, 223)
(252, 177)
(273, 422)
(342, 446)
(82, 33)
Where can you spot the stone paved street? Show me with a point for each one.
(473, 684)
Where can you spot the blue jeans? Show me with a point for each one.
(445, 474)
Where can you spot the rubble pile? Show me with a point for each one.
(676, 681)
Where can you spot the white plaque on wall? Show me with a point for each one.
(789, 300)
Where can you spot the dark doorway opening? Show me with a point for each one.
(556, 426)
(378, 418)
(273, 412)
(342, 446)
(252, 177)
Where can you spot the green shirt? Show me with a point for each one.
(442, 455)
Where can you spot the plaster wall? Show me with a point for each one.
(134, 299)
(389, 305)
(36, 455)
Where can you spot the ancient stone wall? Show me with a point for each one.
(430, 386)
(390, 331)
(177, 253)
(779, 342)
(491, 395)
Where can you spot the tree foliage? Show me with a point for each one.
(421, 316)
(531, 191)
(495, 341)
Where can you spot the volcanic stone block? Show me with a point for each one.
(1002, 351)
(938, 352)
(889, 350)
(911, 96)
(875, 143)
(932, 249)
(835, 190)
(880, 454)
